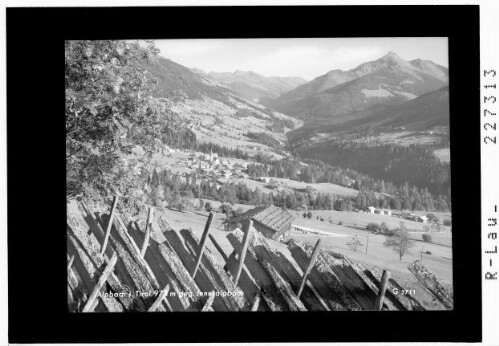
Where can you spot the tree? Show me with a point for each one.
(400, 241)
(226, 209)
(309, 214)
(207, 207)
(108, 110)
(354, 244)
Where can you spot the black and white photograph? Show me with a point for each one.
(266, 174)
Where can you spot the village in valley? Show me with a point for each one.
(262, 195)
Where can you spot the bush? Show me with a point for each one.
(384, 228)
(390, 232)
(309, 214)
(208, 207)
(427, 238)
(373, 227)
(340, 223)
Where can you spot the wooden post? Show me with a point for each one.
(109, 269)
(310, 266)
(367, 245)
(202, 244)
(256, 302)
(242, 255)
(109, 225)
(158, 301)
(382, 290)
(70, 263)
(148, 233)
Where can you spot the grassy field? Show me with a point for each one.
(358, 220)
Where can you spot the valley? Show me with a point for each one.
(352, 155)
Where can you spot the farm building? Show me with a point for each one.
(373, 210)
(273, 222)
(423, 219)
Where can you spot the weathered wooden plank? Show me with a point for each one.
(290, 271)
(70, 263)
(323, 279)
(215, 274)
(282, 285)
(310, 266)
(178, 269)
(132, 247)
(110, 223)
(209, 302)
(133, 269)
(246, 282)
(430, 282)
(145, 244)
(242, 254)
(160, 299)
(219, 248)
(102, 280)
(203, 243)
(161, 267)
(381, 294)
(256, 302)
(205, 280)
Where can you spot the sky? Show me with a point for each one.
(307, 58)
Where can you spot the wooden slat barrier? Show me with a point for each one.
(135, 252)
(203, 243)
(89, 306)
(87, 252)
(215, 274)
(323, 279)
(277, 293)
(109, 225)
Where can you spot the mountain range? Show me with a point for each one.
(389, 80)
(386, 91)
(254, 86)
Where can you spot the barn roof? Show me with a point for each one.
(273, 217)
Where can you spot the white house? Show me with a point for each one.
(371, 210)
(423, 219)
